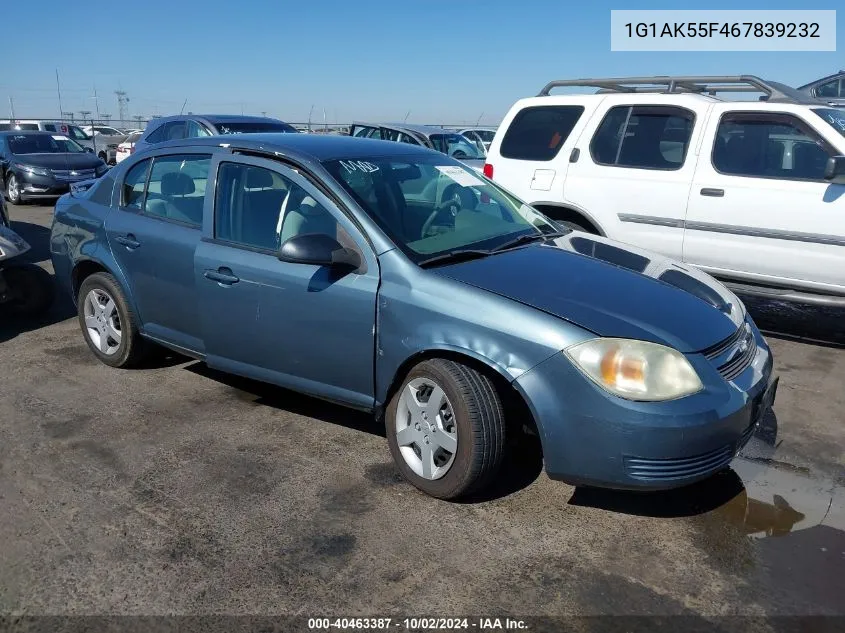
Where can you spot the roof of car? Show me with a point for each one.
(26, 133)
(816, 82)
(318, 147)
(413, 127)
(216, 118)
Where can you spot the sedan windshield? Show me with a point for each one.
(43, 144)
(431, 206)
(252, 127)
(456, 146)
(834, 116)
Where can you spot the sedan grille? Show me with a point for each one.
(735, 353)
(70, 175)
(681, 468)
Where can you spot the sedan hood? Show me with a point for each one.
(70, 160)
(610, 289)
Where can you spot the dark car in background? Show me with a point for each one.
(42, 165)
(177, 127)
(830, 89)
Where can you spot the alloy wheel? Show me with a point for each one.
(102, 321)
(426, 429)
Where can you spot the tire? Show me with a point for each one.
(13, 192)
(32, 290)
(576, 226)
(478, 423)
(131, 348)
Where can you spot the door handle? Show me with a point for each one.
(128, 241)
(222, 275)
(713, 193)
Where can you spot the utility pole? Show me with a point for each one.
(59, 92)
(96, 104)
(12, 109)
(122, 101)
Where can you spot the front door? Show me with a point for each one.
(153, 235)
(636, 167)
(760, 208)
(300, 326)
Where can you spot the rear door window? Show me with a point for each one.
(132, 190)
(643, 137)
(176, 190)
(538, 133)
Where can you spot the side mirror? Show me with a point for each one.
(90, 150)
(318, 249)
(835, 170)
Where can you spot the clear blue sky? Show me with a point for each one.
(444, 61)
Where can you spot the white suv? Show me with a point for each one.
(753, 192)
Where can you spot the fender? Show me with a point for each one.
(575, 209)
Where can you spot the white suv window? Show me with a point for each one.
(643, 137)
(769, 145)
(538, 133)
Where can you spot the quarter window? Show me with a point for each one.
(835, 88)
(157, 135)
(767, 145)
(196, 130)
(538, 133)
(132, 195)
(643, 137)
(176, 189)
(259, 208)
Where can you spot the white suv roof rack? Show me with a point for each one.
(773, 91)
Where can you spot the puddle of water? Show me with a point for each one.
(779, 498)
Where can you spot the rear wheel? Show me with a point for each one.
(108, 323)
(29, 290)
(446, 429)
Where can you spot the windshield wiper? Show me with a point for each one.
(526, 238)
(454, 257)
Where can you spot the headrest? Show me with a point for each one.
(258, 179)
(177, 183)
(309, 206)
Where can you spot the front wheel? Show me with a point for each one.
(13, 189)
(446, 429)
(28, 292)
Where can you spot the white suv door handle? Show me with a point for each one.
(713, 193)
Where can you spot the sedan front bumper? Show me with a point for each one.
(591, 437)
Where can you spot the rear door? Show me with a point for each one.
(296, 325)
(153, 235)
(760, 208)
(532, 161)
(633, 173)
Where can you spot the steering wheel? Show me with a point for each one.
(447, 205)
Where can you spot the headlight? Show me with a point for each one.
(636, 370)
(35, 171)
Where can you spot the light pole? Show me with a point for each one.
(68, 115)
(138, 118)
(84, 114)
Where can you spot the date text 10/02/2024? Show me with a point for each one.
(418, 624)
